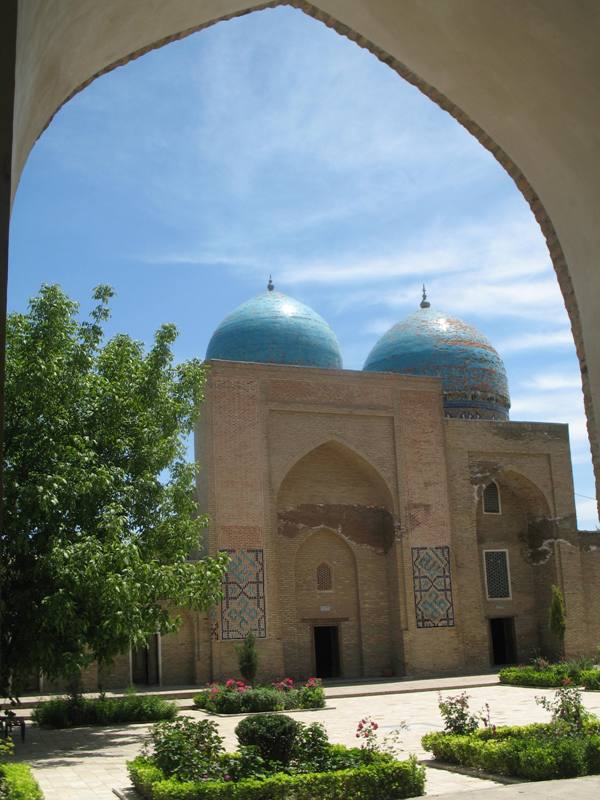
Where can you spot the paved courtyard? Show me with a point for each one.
(87, 763)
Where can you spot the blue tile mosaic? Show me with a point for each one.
(275, 329)
(432, 343)
(243, 603)
(432, 585)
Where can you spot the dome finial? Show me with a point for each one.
(424, 301)
(270, 284)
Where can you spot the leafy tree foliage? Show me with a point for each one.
(557, 619)
(99, 513)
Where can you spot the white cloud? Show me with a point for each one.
(587, 514)
(536, 341)
(551, 381)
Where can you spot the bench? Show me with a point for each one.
(10, 721)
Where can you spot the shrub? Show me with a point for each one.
(17, 783)
(555, 675)
(456, 715)
(200, 700)
(236, 697)
(567, 709)
(311, 695)
(225, 702)
(391, 780)
(264, 699)
(144, 775)
(273, 735)
(590, 678)
(532, 752)
(248, 658)
(312, 751)
(64, 712)
(557, 618)
(187, 749)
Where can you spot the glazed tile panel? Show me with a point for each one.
(243, 603)
(433, 344)
(432, 584)
(273, 328)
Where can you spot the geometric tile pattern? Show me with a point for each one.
(243, 603)
(432, 585)
(496, 574)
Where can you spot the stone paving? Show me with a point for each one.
(87, 763)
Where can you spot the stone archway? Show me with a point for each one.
(515, 541)
(334, 508)
(498, 68)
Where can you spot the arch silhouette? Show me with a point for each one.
(60, 50)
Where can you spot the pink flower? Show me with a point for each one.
(374, 725)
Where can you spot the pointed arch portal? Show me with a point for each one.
(498, 68)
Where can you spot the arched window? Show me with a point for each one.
(491, 499)
(324, 582)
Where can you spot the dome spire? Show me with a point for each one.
(270, 284)
(424, 301)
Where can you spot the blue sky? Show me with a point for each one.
(269, 144)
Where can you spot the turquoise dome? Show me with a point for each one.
(429, 342)
(273, 328)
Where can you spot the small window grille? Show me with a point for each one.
(496, 574)
(491, 498)
(324, 582)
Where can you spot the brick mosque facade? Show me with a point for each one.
(374, 528)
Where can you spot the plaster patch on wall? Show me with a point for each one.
(365, 526)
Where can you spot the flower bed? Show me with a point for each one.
(566, 747)
(277, 757)
(553, 675)
(65, 712)
(238, 697)
(533, 752)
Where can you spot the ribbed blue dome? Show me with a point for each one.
(432, 343)
(275, 329)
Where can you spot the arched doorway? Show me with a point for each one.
(335, 543)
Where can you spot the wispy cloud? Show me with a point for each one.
(587, 514)
(552, 381)
(536, 341)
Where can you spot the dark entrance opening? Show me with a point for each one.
(504, 650)
(144, 664)
(327, 651)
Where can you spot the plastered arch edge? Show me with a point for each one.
(237, 8)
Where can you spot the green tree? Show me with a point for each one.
(248, 658)
(557, 619)
(100, 513)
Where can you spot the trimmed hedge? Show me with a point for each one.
(553, 676)
(385, 781)
(590, 678)
(532, 752)
(64, 712)
(17, 783)
(530, 676)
